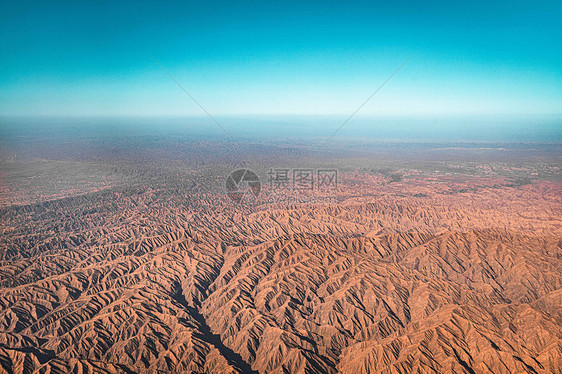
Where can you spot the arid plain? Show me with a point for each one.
(127, 256)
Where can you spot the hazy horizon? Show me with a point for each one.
(297, 128)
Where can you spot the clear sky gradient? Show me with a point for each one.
(275, 58)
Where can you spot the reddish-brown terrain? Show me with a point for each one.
(428, 273)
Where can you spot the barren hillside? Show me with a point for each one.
(428, 274)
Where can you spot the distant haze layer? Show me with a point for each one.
(319, 129)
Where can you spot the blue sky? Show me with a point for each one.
(279, 58)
